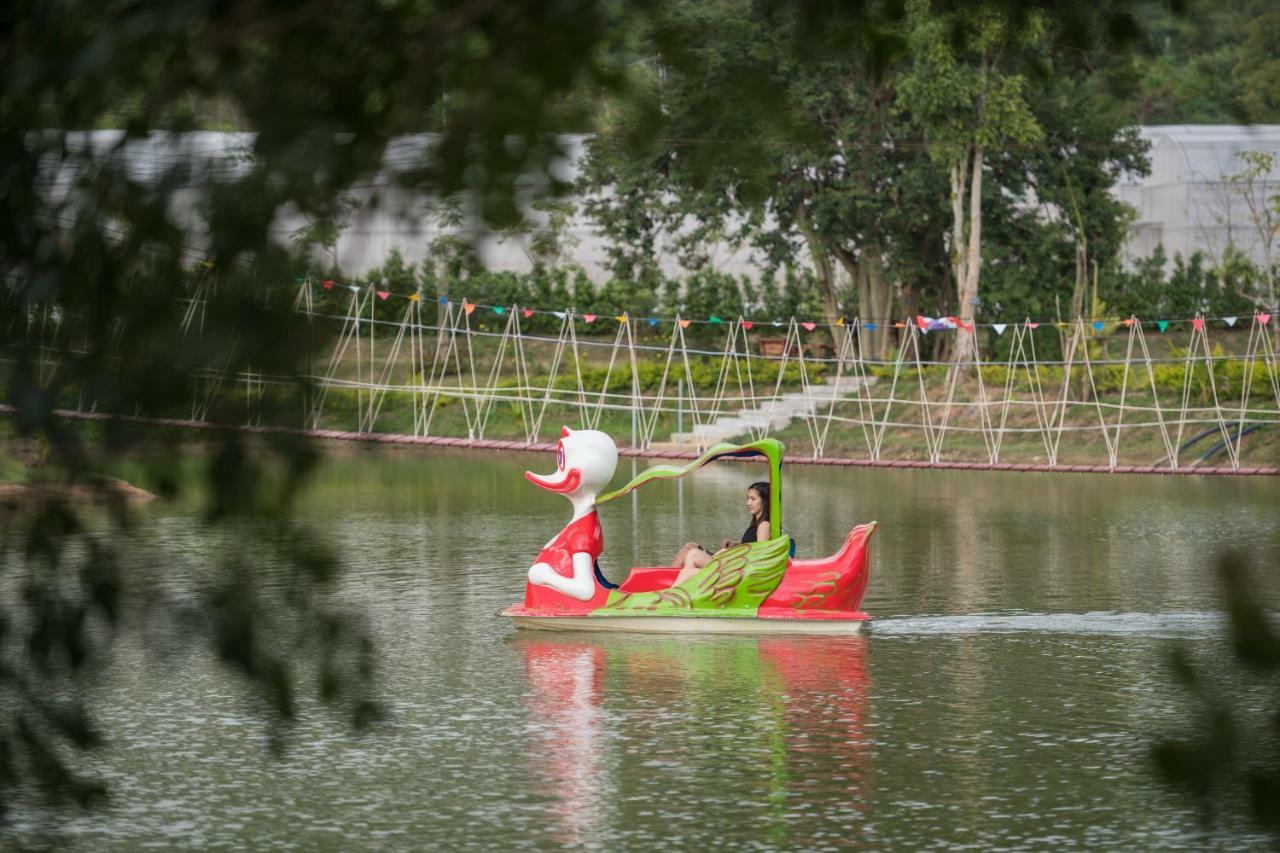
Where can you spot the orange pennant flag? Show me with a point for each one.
(684, 324)
(1128, 322)
(468, 307)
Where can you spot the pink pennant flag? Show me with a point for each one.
(747, 324)
(1264, 318)
(684, 324)
(383, 294)
(327, 284)
(590, 318)
(528, 312)
(1198, 324)
(1031, 325)
(809, 327)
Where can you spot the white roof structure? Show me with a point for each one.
(1188, 203)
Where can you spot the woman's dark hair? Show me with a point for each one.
(762, 489)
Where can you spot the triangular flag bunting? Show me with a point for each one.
(871, 327)
(355, 288)
(777, 323)
(684, 324)
(528, 312)
(498, 309)
(1264, 318)
(714, 319)
(1097, 325)
(1129, 322)
(899, 325)
(1230, 321)
(1163, 324)
(999, 327)
(621, 318)
(1197, 323)
(327, 284)
(590, 318)
(839, 321)
(809, 327)
(1031, 325)
(414, 297)
(559, 314)
(444, 300)
(747, 324)
(468, 307)
(653, 321)
(383, 294)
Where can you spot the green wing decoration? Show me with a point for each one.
(735, 583)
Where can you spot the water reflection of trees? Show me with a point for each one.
(770, 723)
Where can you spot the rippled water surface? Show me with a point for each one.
(1007, 694)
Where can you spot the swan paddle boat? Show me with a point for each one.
(752, 588)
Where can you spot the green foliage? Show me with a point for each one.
(1191, 286)
(1206, 63)
(324, 88)
(1227, 760)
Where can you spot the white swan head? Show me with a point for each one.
(585, 462)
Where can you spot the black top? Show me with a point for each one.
(750, 535)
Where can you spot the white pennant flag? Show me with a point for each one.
(559, 314)
(355, 288)
(1230, 321)
(999, 327)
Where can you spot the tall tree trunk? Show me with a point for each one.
(968, 286)
(821, 268)
(875, 295)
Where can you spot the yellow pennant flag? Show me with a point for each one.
(621, 318)
(414, 297)
(839, 321)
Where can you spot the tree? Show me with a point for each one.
(967, 92)
(323, 87)
(1261, 197)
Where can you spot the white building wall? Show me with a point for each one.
(1186, 203)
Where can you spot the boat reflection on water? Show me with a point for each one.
(780, 720)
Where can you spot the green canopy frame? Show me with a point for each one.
(769, 448)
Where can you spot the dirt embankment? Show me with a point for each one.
(20, 464)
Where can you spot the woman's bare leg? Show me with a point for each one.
(678, 562)
(693, 561)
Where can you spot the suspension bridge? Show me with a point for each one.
(1113, 401)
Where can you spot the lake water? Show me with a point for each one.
(1006, 696)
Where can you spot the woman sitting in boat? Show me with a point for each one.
(693, 556)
